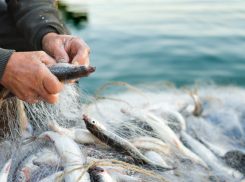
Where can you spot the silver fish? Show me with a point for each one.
(118, 143)
(53, 178)
(49, 159)
(171, 115)
(152, 144)
(98, 174)
(26, 170)
(209, 157)
(216, 149)
(5, 171)
(155, 157)
(78, 135)
(164, 133)
(121, 177)
(70, 154)
(55, 161)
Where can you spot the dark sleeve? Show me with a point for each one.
(5, 54)
(36, 18)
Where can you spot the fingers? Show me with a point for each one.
(51, 83)
(49, 86)
(33, 96)
(53, 44)
(78, 51)
(60, 54)
(28, 96)
(27, 77)
(65, 48)
(81, 57)
(44, 58)
(44, 96)
(50, 98)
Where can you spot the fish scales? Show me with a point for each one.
(66, 71)
(119, 144)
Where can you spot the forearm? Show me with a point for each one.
(36, 18)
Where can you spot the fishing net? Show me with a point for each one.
(208, 147)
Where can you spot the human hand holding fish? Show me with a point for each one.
(26, 76)
(66, 49)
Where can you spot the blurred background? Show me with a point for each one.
(145, 41)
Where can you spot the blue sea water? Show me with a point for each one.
(180, 41)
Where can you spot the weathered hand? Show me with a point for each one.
(66, 48)
(29, 79)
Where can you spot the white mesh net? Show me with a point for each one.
(157, 119)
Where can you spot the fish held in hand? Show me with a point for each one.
(67, 72)
(63, 71)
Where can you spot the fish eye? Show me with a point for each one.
(93, 122)
(20, 177)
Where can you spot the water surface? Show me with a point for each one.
(176, 40)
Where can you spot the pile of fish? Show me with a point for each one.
(174, 137)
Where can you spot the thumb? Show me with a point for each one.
(61, 55)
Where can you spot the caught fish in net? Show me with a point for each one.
(140, 133)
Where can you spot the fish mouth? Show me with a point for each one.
(91, 69)
(88, 123)
(86, 119)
